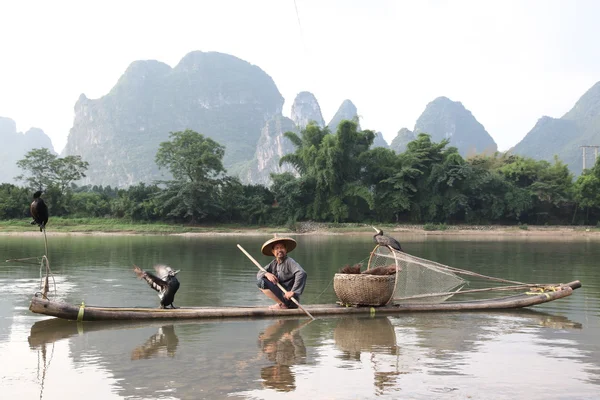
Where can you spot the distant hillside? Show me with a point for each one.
(306, 109)
(564, 136)
(447, 119)
(272, 144)
(218, 95)
(15, 145)
(347, 111)
(402, 139)
(379, 141)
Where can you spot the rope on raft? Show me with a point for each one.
(44, 283)
(44, 265)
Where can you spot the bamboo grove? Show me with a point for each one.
(336, 177)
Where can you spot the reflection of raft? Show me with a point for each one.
(364, 334)
(53, 329)
(93, 313)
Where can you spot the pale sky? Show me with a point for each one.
(508, 62)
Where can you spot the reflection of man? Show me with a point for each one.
(283, 270)
(283, 345)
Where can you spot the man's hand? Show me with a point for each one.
(272, 278)
(288, 295)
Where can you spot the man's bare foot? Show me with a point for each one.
(279, 306)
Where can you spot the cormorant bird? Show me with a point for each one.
(383, 240)
(39, 211)
(166, 284)
(347, 269)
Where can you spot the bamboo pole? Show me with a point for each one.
(278, 284)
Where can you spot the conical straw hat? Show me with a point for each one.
(267, 247)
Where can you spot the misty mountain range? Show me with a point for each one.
(238, 105)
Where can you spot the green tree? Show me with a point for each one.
(88, 204)
(251, 204)
(329, 166)
(292, 196)
(68, 169)
(44, 169)
(191, 157)
(421, 177)
(587, 191)
(491, 197)
(549, 186)
(390, 180)
(38, 167)
(14, 201)
(136, 203)
(196, 163)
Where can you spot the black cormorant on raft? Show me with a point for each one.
(383, 240)
(166, 283)
(39, 211)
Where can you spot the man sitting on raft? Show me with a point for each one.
(282, 269)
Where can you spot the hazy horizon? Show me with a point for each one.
(509, 63)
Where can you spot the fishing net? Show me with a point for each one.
(417, 279)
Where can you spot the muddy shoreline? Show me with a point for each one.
(478, 231)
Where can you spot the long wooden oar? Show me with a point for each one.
(278, 284)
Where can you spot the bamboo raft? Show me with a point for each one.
(83, 312)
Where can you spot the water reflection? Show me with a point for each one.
(422, 356)
(361, 357)
(198, 354)
(54, 329)
(44, 360)
(355, 335)
(161, 344)
(283, 345)
(439, 343)
(375, 336)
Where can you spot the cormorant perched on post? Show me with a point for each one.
(383, 240)
(166, 284)
(39, 211)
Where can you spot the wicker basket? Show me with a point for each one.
(364, 289)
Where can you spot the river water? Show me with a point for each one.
(550, 351)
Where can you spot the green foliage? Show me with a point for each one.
(292, 197)
(44, 169)
(330, 167)
(196, 163)
(14, 201)
(251, 204)
(89, 204)
(434, 227)
(190, 201)
(138, 203)
(339, 178)
(587, 192)
(191, 157)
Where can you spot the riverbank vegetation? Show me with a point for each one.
(339, 179)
